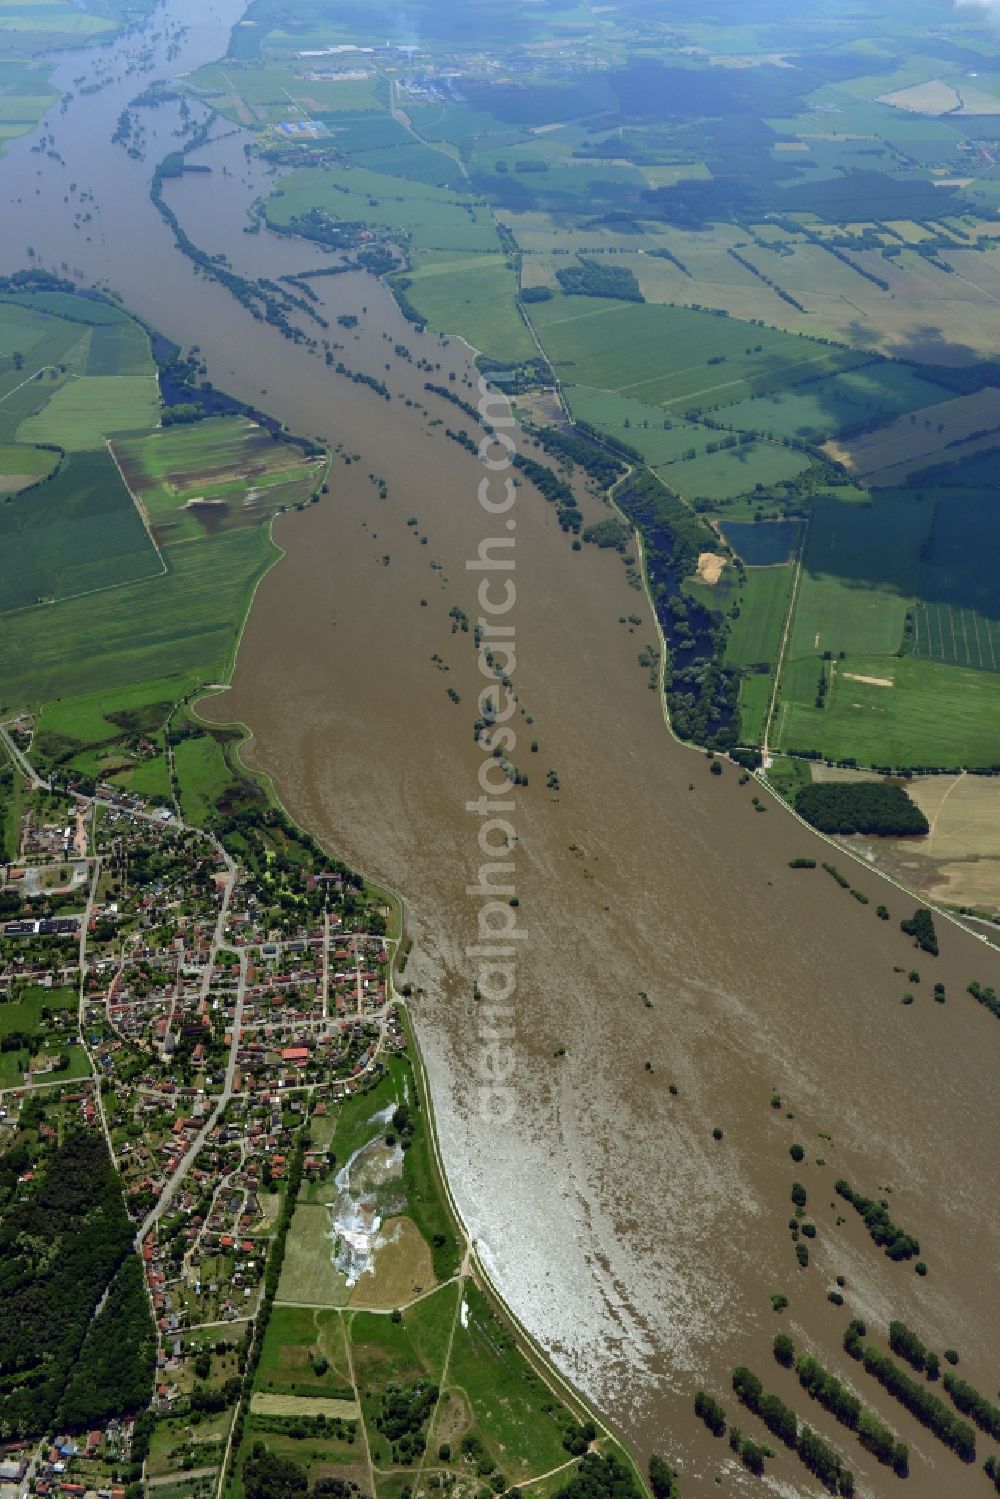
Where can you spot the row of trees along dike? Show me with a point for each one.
(701, 690)
(874, 807)
(834, 1397)
(917, 1398)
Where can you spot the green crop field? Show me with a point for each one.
(948, 633)
(732, 471)
(184, 621)
(77, 533)
(664, 355)
(756, 635)
(118, 349)
(929, 714)
(860, 575)
(659, 438)
(83, 412)
(877, 393)
(755, 695)
(472, 296)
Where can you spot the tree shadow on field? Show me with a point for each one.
(936, 535)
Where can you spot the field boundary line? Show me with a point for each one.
(140, 507)
(779, 664)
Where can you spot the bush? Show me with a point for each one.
(897, 1244)
(710, 1411)
(921, 928)
(796, 1152)
(662, 1479)
(784, 1350)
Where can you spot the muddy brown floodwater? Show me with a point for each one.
(640, 1250)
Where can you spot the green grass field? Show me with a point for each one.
(186, 621)
(511, 1406)
(472, 296)
(930, 715)
(662, 354)
(83, 412)
(384, 1353)
(295, 1338)
(77, 533)
(756, 635)
(88, 719)
(26, 1013)
(755, 695)
(20, 464)
(204, 777)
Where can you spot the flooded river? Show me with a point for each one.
(675, 975)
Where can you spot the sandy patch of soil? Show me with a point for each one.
(710, 566)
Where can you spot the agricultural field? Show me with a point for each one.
(674, 357)
(472, 296)
(260, 95)
(958, 862)
(860, 575)
(730, 472)
(961, 637)
(32, 340)
(896, 711)
(430, 217)
(77, 533)
(755, 636)
(215, 475)
(26, 26)
(21, 465)
(84, 411)
(879, 391)
(25, 91)
(183, 621)
(944, 433)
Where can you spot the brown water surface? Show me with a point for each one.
(639, 1250)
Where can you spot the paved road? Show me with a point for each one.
(156, 1212)
(21, 760)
